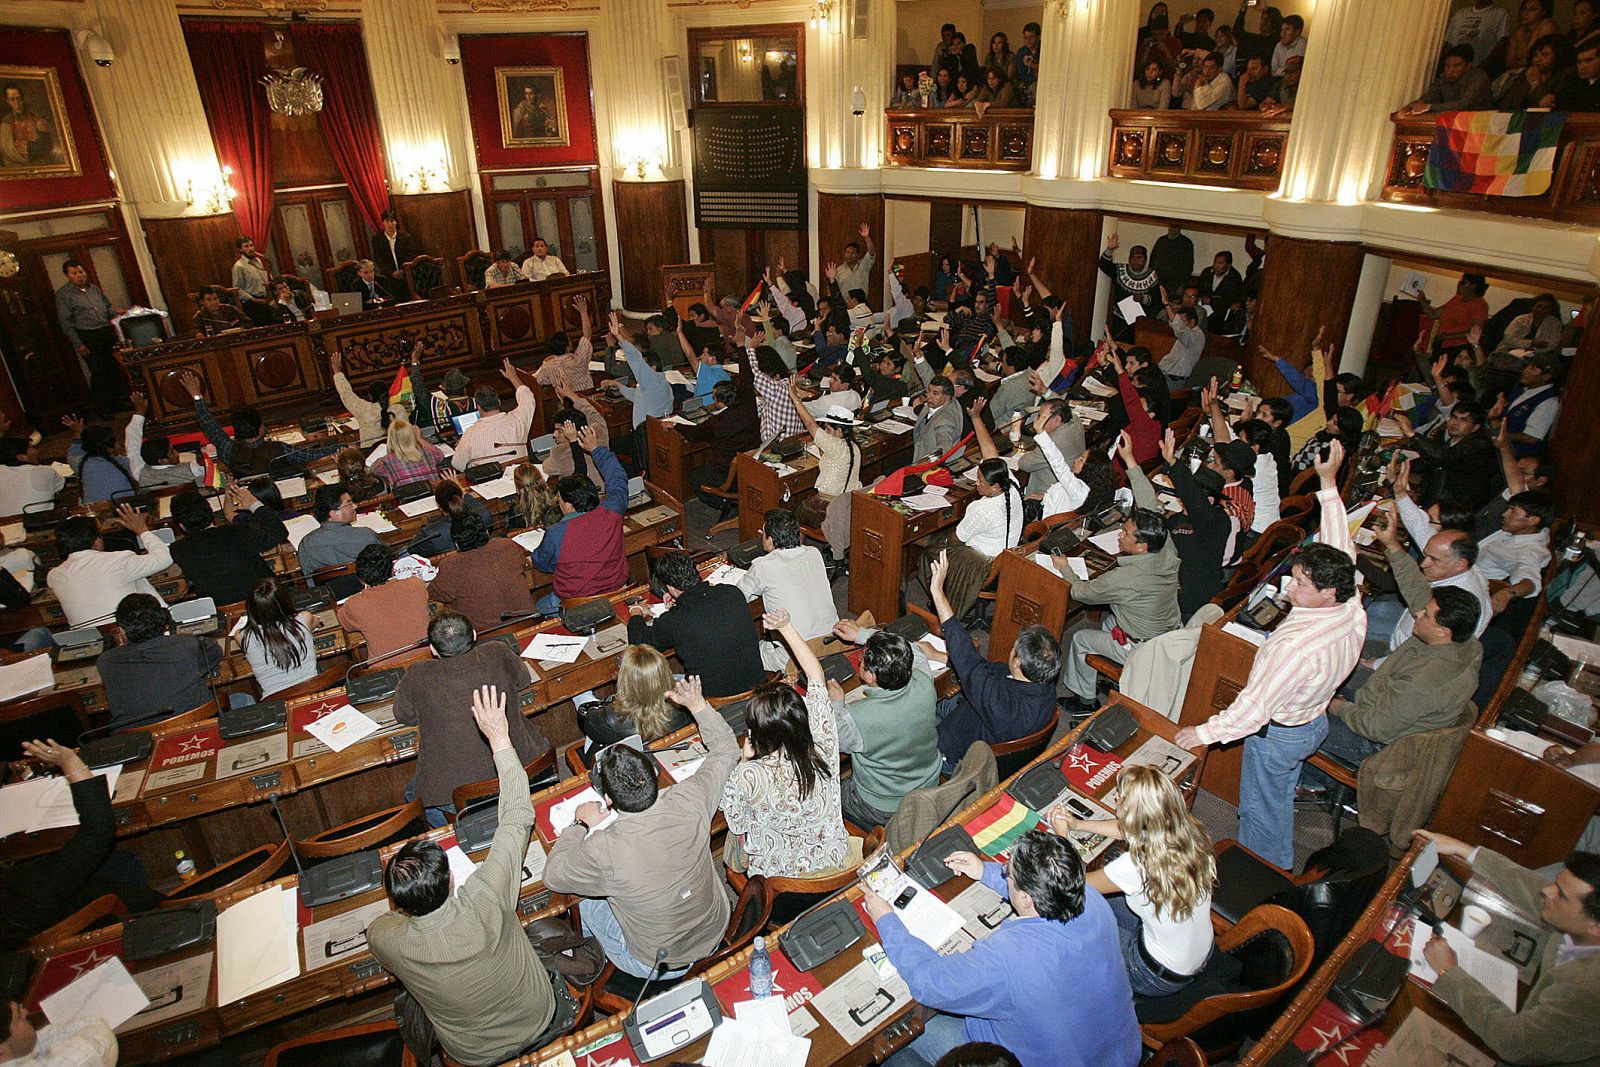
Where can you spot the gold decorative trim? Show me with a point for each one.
(270, 7)
(516, 6)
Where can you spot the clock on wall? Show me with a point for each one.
(9, 265)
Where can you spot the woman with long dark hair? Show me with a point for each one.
(276, 642)
(782, 801)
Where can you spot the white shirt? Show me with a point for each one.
(1513, 558)
(538, 270)
(1179, 945)
(1281, 53)
(1069, 492)
(848, 399)
(91, 584)
(499, 436)
(28, 483)
(984, 529)
(1480, 29)
(1543, 419)
(1211, 96)
(1473, 581)
(1264, 487)
(795, 580)
(80, 1043)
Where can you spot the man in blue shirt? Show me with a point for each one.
(1047, 985)
(1025, 65)
(651, 393)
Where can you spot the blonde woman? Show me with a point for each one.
(640, 706)
(536, 502)
(410, 458)
(1160, 888)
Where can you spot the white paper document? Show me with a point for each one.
(14, 533)
(893, 426)
(374, 521)
(26, 677)
(299, 526)
(107, 993)
(1497, 975)
(739, 1042)
(1080, 569)
(726, 574)
(1130, 308)
(556, 648)
(420, 506)
(676, 377)
(327, 941)
(343, 728)
(1107, 541)
(565, 813)
(256, 944)
(1237, 629)
(859, 1000)
(530, 539)
(924, 502)
(289, 488)
(53, 807)
(496, 488)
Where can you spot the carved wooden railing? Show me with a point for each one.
(1573, 196)
(1001, 139)
(1237, 149)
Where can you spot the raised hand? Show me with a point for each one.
(775, 620)
(134, 522)
(936, 572)
(831, 272)
(1327, 467)
(588, 440)
(336, 362)
(1316, 342)
(1169, 447)
(686, 692)
(141, 406)
(1125, 448)
(1387, 527)
(864, 230)
(190, 382)
(74, 423)
(489, 712)
(1112, 242)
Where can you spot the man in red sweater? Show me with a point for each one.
(584, 551)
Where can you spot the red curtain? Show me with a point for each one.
(349, 115)
(229, 62)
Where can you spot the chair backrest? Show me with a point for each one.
(750, 914)
(369, 831)
(831, 883)
(1276, 538)
(473, 266)
(60, 715)
(923, 809)
(261, 864)
(1305, 480)
(1011, 756)
(462, 795)
(1296, 508)
(364, 1045)
(328, 678)
(86, 917)
(422, 275)
(342, 277)
(1180, 1053)
(683, 284)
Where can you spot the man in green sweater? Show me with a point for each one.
(464, 958)
(1556, 1021)
(1422, 685)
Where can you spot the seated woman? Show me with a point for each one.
(838, 472)
(409, 458)
(1152, 90)
(640, 706)
(98, 456)
(905, 94)
(536, 502)
(276, 642)
(782, 801)
(356, 479)
(484, 579)
(1534, 85)
(1071, 491)
(962, 93)
(1160, 888)
(992, 524)
(997, 91)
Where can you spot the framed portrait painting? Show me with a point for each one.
(533, 106)
(35, 133)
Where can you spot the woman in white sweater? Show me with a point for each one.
(992, 524)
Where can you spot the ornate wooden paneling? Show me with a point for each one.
(839, 219)
(448, 331)
(1000, 139)
(651, 215)
(1238, 149)
(1573, 196)
(189, 253)
(442, 225)
(1067, 244)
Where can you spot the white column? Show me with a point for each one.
(421, 99)
(629, 49)
(1371, 292)
(149, 108)
(1085, 68)
(1364, 60)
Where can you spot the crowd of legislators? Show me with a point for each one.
(1466, 534)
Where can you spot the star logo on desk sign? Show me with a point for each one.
(90, 962)
(1081, 761)
(1326, 1039)
(192, 744)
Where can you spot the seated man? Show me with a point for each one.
(791, 577)
(1449, 559)
(1464, 467)
(433, 696)
(497, 435)
(1514, 557)
(288, 305)
(389, 615)
(155, 671)
(503, 271)
(567, 366)
(998, 701)
(734, 427)
(1008, 988)
(1066, 433)
(655, 896)
(246, 452)
(892, 733)
(709, 625)
(335, 542)
(483, 579)
(82, 1042)
(223, 560)
(215, 316)
(90, 582)
(153, 462)
(1556, 1023)
(584, 552)
(24, 481)
(463, 956)
(568, 457)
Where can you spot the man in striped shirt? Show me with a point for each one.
(1281, 711)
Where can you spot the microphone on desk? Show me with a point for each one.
(333, 879)
(412, 647)
(655, 969)
(294, 853)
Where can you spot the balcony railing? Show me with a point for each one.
(1000, 139)
(1573, 196)
(1236, 149)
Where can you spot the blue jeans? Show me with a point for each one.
(940, 1034)
(435, 817)
(600, 921)
(1130, 929)
(1383, 615)
(1266, 787)
(1342, 743)
(549, 604)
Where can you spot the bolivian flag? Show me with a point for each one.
(750, 301)
(400, 390)
(213, 476)
(1002, 825)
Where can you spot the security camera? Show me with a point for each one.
(452, 49)
(99, 49)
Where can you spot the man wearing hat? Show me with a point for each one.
(1235, 461)
(1532, 410)
(438, 408)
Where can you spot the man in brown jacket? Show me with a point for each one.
(656, 899)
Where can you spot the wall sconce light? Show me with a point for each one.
(858, 102)
(821, 17)
(424, 176)
(214, 197)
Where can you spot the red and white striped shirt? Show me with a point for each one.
(1303, 661)
(570, 368)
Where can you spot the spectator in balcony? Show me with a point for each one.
(969, 60)
(1212, 90)
(1158, 18)
(906, 95)
(945, 275)
(1534, 85)
(1227, 48)
(944, 83)
(1188, 297)
(1156, 40)
(1579, 89)
(1291, 42)
(1255, 85)
(1025, 67)
(1534, 22)
(1480, 26)
(1000, 56)
(946, 56)
(1152, 90)
(1280, 102)
(963, 93)
(1268, 35)
(1452, 322)
(1172, 256)
(1538, 330)
(1585, 23)
(1459, 87)
(996, 92)
(1200, 37)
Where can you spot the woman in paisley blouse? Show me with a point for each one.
(782, 801)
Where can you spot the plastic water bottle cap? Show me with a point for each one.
(761, 943)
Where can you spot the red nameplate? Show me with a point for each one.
(1089, 769)
(796, 987)
(192, 746)
(61, 971)
(303, 715)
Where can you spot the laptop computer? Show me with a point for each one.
(462, 421)
(539, 448)
(346, 303)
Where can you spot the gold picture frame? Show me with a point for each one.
(43, 147)
(533, 107)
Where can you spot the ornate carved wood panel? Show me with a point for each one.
(1238, 149)
(1000, 139)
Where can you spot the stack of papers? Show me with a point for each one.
(1107, 542)
(375, 521)
(496, 488)
(893, 426)
(26, 677)
(565, 813)
(421, 506)
(726, 574)
(924, 502)
(758, 1035)
(1079, 568)
(290, 488)
(1497, 975)
(299, 526)
(676, 377)
(530, 539)
(44, 803)
(107, 993)
(329, 477)
(256, 944)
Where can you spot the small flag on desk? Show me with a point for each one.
(213, 476)
(749, 301)
(400, 390)
(1002, 825)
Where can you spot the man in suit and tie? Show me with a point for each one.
(391, 248)
(940, 422)
(374, 290)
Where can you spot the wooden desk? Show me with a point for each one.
(1027, 593)
(762, 487)
(673, 456)
(881, 531)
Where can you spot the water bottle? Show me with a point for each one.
(185, 864)
(760, 970)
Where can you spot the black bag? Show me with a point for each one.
(577, 958)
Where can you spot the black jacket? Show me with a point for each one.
(224, 562)
(1201, 537)
(734, 429)
(405, 247)
(992, 706)
(711, 628)
(170, 671)
(1467, 472)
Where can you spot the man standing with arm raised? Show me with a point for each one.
(1295, 674)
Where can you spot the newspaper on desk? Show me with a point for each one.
(1498, 976)
(1163, 755)
(726, 574)
(1089, 845)
(328, 941)
(926, 917)
(1423, 1039)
